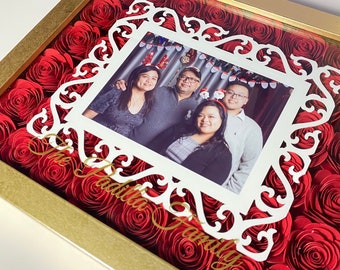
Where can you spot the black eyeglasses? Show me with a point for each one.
(189, 79)
(233, 94)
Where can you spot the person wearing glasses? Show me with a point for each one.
(243, 135)
(172, 105)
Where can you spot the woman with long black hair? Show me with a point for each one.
(199, 145)
(122, 111)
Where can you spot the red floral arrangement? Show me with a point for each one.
(308, 238)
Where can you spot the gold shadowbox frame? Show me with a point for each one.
(85, 231)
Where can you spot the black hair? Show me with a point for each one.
(219, 134)
(238, 82)
(125, 96)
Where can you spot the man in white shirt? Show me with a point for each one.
(243, 135)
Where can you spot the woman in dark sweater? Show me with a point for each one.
(122, 111)
(199, 145)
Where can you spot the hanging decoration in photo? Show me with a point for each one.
(188, 58)
(232, 72)
(162, 63)
(156, 44)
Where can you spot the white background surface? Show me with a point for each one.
(26, 244)
(17, 18)
(330, 6)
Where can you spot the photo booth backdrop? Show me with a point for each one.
(267, 97)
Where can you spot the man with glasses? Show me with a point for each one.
(171, 105)
(243, 135)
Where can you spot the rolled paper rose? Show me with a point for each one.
(85, 192)
(322, 204)
(55, 169)
(48, 68)
(313, 246)
(18, 150)
(20, 99)
(102, 13)
(189, 8)
(230, 18)
(180, 251)
(77, 40)
(281, 227)
(263, 30)
(139, 219)
(6, 127)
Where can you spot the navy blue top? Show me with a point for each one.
(121, 121)
(166, 111)
(212, 162)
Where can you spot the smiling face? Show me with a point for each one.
(187, 83)
(235, 98)
(209, 120)
(146, 81)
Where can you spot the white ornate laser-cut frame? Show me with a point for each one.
(251, 192)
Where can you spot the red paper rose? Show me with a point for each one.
(231, 259)
(334, 152)
(323, 203)
(181, 251)
(228, 17)
(47, 69)
(55, 169)
(17, 150)
(332, 162)
(332, 56)
(262, 29)
(77, 40)
(102, 13)
(20, 100)
(303, 43)
(138, 219)
(84, 191)
(212, 34)
(169, 22)
(188, 8)
(305, 142)
(279, 266)
(159, 3)
(6, 127)
(313, 246)
(331, 82)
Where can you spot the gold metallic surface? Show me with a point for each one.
(293, 14)
(57, 214)
(13, 64)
